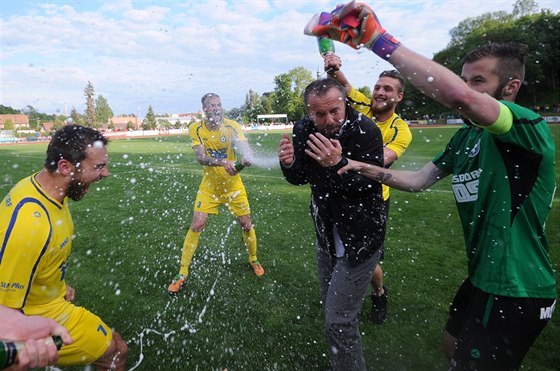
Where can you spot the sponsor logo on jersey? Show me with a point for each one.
(217, 153)
(10, 286)
(64, 243)
(465, 186)
(546, 312)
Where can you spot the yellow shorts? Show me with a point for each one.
(90, 334)
(209, 202)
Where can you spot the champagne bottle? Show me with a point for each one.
(9, 350)
(239, 166)
(326, 47)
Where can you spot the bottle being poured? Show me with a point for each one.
(326, 47)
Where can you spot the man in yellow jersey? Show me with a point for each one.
(36, 231)
(217, 143)
(388, 91)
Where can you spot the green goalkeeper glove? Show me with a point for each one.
(356, 25)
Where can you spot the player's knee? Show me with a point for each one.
(198, 225)
(115, 356)
(197, 228)
(245, 222)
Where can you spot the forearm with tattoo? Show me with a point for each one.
(382, 177)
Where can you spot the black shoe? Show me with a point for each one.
(379, 307)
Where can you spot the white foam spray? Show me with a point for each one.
(187, 326)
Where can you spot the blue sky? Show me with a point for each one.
(169, 53)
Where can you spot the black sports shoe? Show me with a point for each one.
(379, 307)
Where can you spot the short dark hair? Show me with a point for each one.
(71, 143)
(321, 87)
(511, 59)
(207, 96)
(395, 75)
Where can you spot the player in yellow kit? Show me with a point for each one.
(36, 232)
(217, 142)
(387, 92)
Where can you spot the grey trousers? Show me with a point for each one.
(343, 288)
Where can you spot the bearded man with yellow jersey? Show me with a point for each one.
(388, 91)
(217, 143)
(36, 233)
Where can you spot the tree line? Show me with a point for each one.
(539, 30)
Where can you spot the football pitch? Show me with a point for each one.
(129, 231)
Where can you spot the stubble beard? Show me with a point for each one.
(383, 108)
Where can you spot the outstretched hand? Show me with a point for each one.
(354, 24)
(327, 152)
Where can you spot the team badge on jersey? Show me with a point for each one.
(475, 149)
(223, 139)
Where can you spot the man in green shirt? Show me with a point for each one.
(503, 180)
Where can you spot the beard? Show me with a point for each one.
(215, 118)
(76, 189)
(331, 131)
(498, 94)
(382, 108)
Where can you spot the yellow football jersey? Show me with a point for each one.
(219, 144)
(36, 233)
(395, 131)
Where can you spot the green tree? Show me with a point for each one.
(89, 93)
(59, 119)
(266, 104)
(524, 7)
(36, 118)
(9, 124)
(150, 121)
(8, 110)
(365, 90)
(103, 111)
(252, 107)
(235, 114)
(288, 92)
(76, 117)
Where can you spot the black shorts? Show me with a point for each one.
(494, 332)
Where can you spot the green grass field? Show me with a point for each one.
(129, 233)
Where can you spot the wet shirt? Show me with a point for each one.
(36, 233)
(503, 187)
(218, 144)
(350, 203)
